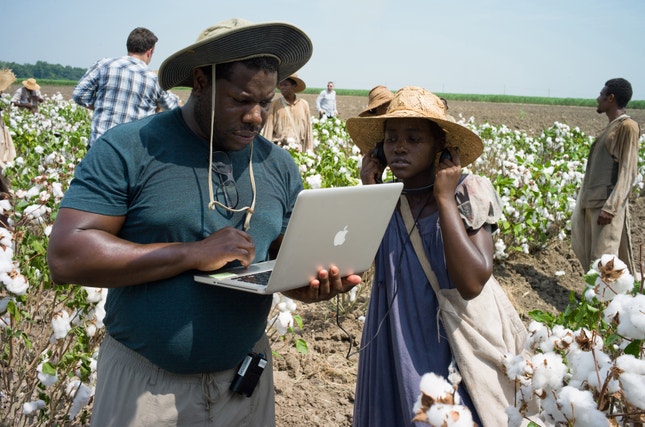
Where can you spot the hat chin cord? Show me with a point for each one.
(212, 203)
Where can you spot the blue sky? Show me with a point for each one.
(558, 48)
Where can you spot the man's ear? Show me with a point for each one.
(200, 80)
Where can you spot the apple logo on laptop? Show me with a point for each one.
(339, 238)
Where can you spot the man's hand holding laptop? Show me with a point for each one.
(328, 285)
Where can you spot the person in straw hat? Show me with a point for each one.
(191, 189)
(7, 149)
(28, 96)
(455, 214)
(377, 101)
(289, 120)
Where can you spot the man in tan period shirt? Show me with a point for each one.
(289, 120)
(600, 223)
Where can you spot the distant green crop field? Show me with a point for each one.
(508, 99)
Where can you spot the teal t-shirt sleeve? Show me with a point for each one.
(99, 184)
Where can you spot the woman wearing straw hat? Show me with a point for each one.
(455, 215)
(289, 120)
(28, 96)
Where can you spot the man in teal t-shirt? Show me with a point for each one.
(148, 207)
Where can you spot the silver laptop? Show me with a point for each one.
(342, 226)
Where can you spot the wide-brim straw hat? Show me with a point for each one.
(31, 84)
(300, 84)
(416, 102)
(6, 78)
(378, 96)
(235, 40)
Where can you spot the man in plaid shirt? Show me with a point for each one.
(123, 89)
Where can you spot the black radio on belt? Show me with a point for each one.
(248, 374)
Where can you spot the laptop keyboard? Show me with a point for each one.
(257, 278)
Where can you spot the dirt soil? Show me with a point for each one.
(317, 389)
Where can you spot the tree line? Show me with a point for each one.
(44, 70)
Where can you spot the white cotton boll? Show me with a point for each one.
(606, 259)
(46, 380)
(435, 386)
(94, 294)
(627, 362)
(548, 371)
(284, 322)
(275, 301)
(30, 407)
(352, 294)
(5, 206)
(562, 337)
(633, 386)
(549, 344)
(516, 368)
(282, 306)
(587, 338)
(32, 192)
(628, 312)
(81, 394)
(590, 294)
(99, 312)
(443, 415)
(6, 262)
(17, 284)
(314, 181)
(61, 324)
(290, 304)
(90, 329)
(515, 418)
(57, 190)
(621, 280)
(632, 379)
(579, 406)
(500, 249)
(43, 197)
(361, 319)
(538, 333)
(583, 366)
(550, 410)
(6, 238)
(36, 212)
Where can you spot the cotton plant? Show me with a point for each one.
(282, 322)
(586, 366)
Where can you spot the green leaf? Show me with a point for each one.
(301, 346)
(48, 368)
(634, 348)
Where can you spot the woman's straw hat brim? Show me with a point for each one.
(378, 96)
(7, 77)
(235, 40)
(416, 102)
(300, 84)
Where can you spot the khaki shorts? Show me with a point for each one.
(131, 391)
